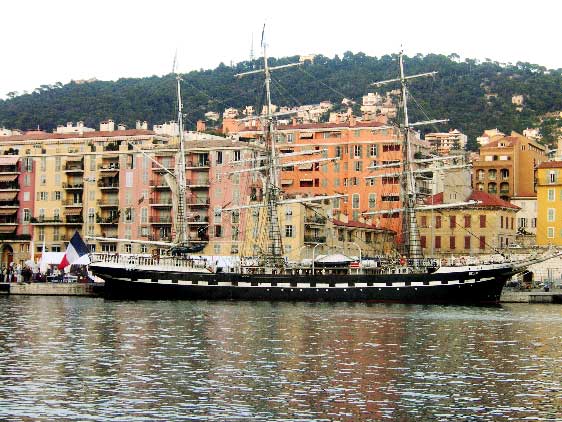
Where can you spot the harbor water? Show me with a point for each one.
(87, 359)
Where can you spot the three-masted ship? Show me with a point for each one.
(413, 279)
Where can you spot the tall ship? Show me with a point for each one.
(413, 278)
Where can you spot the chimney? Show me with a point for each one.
(201, 127)
(138, 124)
(144, 125)
(352, 120)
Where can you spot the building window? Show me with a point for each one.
(423, 241)
(357, 151)
(355, 201)
(218, 231)
(551, 214)
(522, 222)
(467, 243)
(437, 242)
(482, 221)
(144, 215)
(534, 223)
(26, 215)
(452, 221)
(338, 151)
(501, 222)
(467, 221)
(372, 200)
(437, 221)
(552, 176)
(143, 248)
(373, 150)
(358, 165)
(424, 221)
(237, 155)
(288, 230)
(482, 242)
(550, 232)
(551, 194)
(128, 248)
(235, 217)
(452, 243)
(219, 157)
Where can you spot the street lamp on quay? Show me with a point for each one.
(359, 248)
(313, 255)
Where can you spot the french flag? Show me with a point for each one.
(75, 250)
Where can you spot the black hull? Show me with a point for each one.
(482, 287)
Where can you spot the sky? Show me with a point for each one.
(44, 42)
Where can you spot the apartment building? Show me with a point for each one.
(506, 166)
(348, 149)
(443, 143)
(549, 203)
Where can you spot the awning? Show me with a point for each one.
(307, 166)
(8, 212)
(109, 174)
(8, 160)
(5, 229)
(286, 182)
(8, 177)
(8, 196)
(73, 211)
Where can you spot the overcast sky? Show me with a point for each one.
(48, 41)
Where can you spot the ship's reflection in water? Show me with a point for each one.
(79, 359)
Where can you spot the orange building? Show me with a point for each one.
(506, 166)
(351, 148)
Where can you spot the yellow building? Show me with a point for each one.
(480, 229)
(549, 203)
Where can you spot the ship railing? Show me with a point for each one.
(133, 261)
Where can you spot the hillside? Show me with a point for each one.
(473, 95)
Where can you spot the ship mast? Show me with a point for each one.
(273, 256)
(412, 244)
(181, 237)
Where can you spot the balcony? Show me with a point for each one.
(13, 236)
(198, 202)
(72, 166)
(159, 184)
(9, 182)
(315, 220)
(158, 238)
(108, 203)
(314, 239)
(108, 166)
(107, 220)
(74, 220)
(198, 220)
(41, 220)
(108, 185)
(73, 186)
(201, 164)
(160, 219)
(197, 183)
(160, 202)
(10, 204)
(72, 204)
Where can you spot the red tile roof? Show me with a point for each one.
(40, 135)
(550, 165)
(485, 199)
(357, 224)
(322, 126)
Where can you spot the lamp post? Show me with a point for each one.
(359, 248)
(313, 255)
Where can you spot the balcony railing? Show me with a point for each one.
(314, 239)
(73, 185)
(13, 236)
(315, 220)
(14, 203)
(9, 186)
(160, 201)
(197, 183)
(160, 219)
(108, 202)
(72, 204)
(108, 185)
(198, 201)
(197, 164)
(44, 220)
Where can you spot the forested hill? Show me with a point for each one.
(473, 95)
